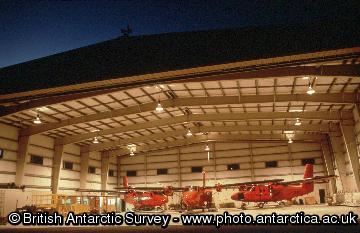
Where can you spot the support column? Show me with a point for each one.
(118, 175)
(105, 160)
(179, 167)
(84, 167)
(251, 162)
(352, 151)
(291, 161)
(23, 142)
(329, 165)
(214, 155)
(145, 166)
(337, 147)
(57, 162)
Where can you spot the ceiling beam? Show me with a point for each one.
(39, 98)
(197, 130)
(340, 98)
(219, 138)
(324, 115)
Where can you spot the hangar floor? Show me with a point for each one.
(313, 209)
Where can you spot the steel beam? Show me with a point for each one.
(240, 70)
(341, 98)
(105, 161)
(85, 155)
(352, 152)
(23, 142)
(56, 167)
(335, 116)
(219, 138)
(110, 144)
(329, 164)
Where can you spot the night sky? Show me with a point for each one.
(34, 29)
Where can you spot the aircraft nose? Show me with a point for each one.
(234, 196)
(237, 196)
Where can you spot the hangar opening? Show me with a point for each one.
(184, 110)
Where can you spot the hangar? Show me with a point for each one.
(243, 104)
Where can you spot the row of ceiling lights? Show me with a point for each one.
(159, 109)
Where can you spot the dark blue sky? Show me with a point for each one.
(34, 29)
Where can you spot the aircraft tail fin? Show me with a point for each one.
(308, 173)
(125, 182)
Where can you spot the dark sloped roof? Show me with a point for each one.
(155, 53)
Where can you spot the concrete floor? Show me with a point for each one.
(313, 209)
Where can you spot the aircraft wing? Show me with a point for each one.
(11, 186)
(176, 189)
(316, 179)
(250, 183)
(101, 191)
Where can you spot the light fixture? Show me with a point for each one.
(132, 149)
(96, 140)
(159, 108)
(207, 148)
(189, 133)
(37, 119)
(310, 91)
(298, 122)
(290, 134)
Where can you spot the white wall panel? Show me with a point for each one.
(162, 158)
(225, 154)
(8, 131)
(233, 152)
(7, 178)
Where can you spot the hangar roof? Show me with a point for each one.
(139, 55)
(257, 96)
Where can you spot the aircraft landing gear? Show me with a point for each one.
(160, 209)
(281, 203)
(261, 205)
(243, 206)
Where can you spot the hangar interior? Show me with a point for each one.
(251, 117)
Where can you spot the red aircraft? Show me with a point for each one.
(275, 190)
(143, 198)
(197, 197)
(192, 197)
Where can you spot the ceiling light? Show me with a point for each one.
(298, 122)
(159, 108)
(96, 140)
(189, 133)
(297, 110)
(132, 149)
(37, 119)
(290, 141)
(289, 132)
(310, 91)
(207, 148)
